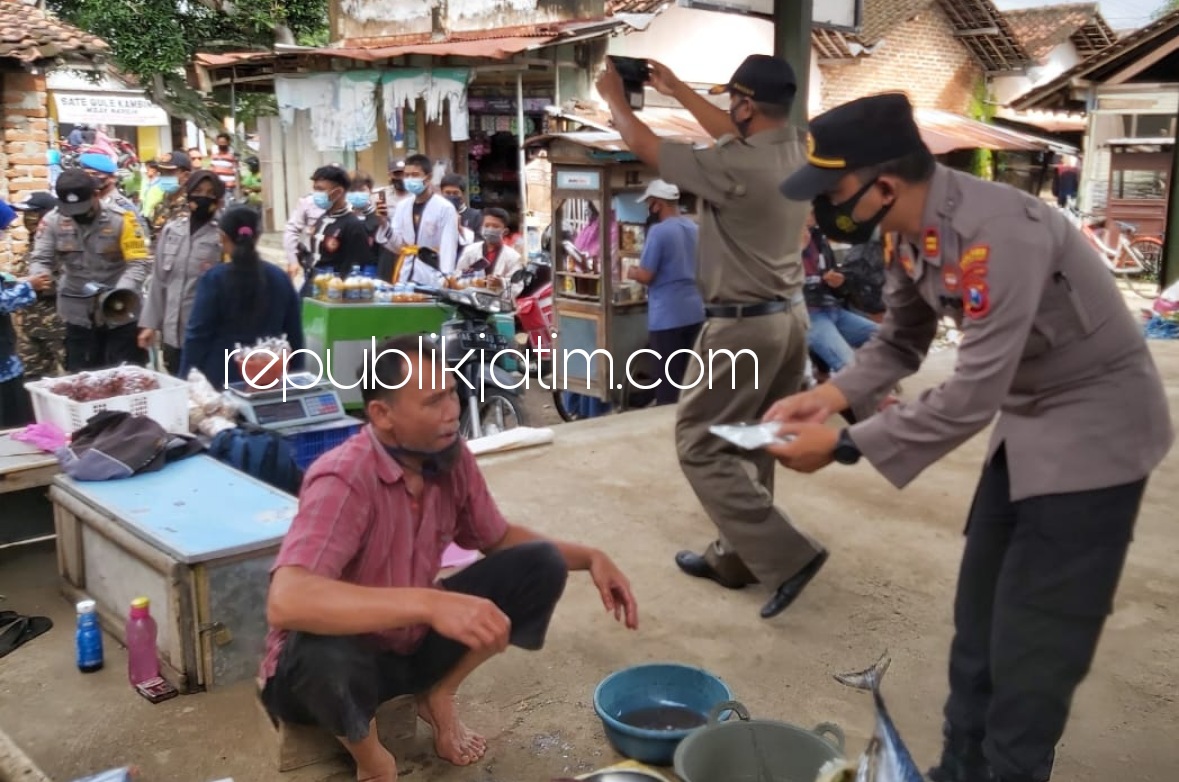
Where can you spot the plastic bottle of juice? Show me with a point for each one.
(88, 638)
(142, 662)
(368, 286)
(352, 286)
(335, 289)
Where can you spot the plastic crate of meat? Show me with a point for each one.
(166, 403)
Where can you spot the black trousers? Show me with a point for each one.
(171, 358)
(1037, 582)
(98, 348)
(337, 682)
(16, 408)
(668, 341)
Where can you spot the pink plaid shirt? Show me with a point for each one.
(358, 523)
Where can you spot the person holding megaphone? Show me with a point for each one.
(101, 252)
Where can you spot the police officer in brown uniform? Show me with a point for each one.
(1050, 346)
(750, 276)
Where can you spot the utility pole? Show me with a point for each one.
(792, 42)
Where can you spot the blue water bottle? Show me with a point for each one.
(88, 638)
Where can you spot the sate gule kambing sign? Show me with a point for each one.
(108, 109)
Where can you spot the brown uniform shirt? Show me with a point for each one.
(1048, 343)
(749, 249)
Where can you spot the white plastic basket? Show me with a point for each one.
(167, 405)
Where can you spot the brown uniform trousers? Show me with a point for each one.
(749, 254)
(1051, 347)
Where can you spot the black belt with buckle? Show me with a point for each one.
(746, 310)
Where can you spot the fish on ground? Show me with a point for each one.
(886, 758)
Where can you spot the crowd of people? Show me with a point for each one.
(89, 238)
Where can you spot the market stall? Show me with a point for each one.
(598, 229)
(344, 333)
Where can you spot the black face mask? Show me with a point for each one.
(86, 218)
(433, 463)
(457, 201)
(838, 225)
(203, 207)
(223, 147)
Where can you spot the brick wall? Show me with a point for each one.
(23, 165)
(920, 57)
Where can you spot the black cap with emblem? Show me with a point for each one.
(75, 192)
(762, 79)
(865, 132)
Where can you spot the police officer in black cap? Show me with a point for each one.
(1048, 346)
(750, 276)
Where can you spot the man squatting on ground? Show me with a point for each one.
(356, 616)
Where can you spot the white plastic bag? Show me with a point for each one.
(751, 436)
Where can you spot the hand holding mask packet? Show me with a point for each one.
(751, 436)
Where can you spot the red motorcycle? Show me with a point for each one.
(534, 314)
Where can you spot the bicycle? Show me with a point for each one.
(1136, 258)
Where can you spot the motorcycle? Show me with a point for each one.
(490, 394)
(534, 314)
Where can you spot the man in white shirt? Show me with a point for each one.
(491, 256)
(428, 220)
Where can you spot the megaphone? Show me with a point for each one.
(112, 307)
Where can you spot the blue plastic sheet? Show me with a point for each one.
(1162, 328)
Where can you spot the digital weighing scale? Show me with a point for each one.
(305, 402)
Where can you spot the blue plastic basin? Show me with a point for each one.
(648, 686)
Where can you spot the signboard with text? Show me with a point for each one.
(106, 108)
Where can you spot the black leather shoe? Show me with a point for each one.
(696, 565)
(790, 590)
(962, 760)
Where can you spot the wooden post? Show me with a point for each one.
(792, 42)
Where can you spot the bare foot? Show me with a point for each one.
(379, 769)
(453, 741)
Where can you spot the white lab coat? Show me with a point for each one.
(507, 264)
(438, 231)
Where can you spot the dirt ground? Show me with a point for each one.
(614, 482)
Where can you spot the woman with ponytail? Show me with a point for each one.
(240, 302)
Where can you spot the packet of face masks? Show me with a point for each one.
(751, 436)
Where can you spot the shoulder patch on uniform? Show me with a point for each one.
(975, 259)
(976, 298)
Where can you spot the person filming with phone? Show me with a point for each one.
(750, 277)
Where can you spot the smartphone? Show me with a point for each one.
(635, 72)
(157, 689)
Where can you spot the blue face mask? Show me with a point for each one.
(321, 199)
(359, 200)
(415, 186)
(169, 184)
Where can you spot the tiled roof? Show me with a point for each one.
(1042, 29)
(634, 6)
(29, 34)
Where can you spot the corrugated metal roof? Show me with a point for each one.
(944, 132)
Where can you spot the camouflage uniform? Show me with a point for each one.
(173, 205)
(41, 333)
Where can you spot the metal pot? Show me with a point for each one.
(748, 750)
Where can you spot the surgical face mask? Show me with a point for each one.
(493, 235)
(433, 463)
(837, 221)
(169, 184)
(415, 185)
(456, 200)
(321, 199)
(359, 200)
(203, 206)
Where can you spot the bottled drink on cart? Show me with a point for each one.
(88, 638)
(142, 663)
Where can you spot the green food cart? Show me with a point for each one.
(344, 335)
